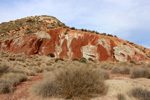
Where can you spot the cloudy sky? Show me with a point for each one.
(128, 19)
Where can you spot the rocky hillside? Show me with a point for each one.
(45, 35)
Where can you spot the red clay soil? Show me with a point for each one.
(120, 75)
(22, 91)
(117, 75)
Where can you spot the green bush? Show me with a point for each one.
(58, 59)
(3, 54)
(83, 60)
(75, 59)
(133, 62)
(51, 55)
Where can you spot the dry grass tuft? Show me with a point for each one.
(83, 82)
(140, 94)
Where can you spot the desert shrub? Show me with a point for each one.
(49, 68)
(30, 20)
(75, 59)
(66, 33)
(124, 43)
(72, 82)
(47, 88)
(83, 60)
(38, 70)
(51, 55)
(14, 78)
(110, 35)
(28, 31)
(5, 86)
(125, 64)
(17, 71)
(90, 59)
(103, 74)
(31, 73)
(103, 65)
(121, 70)
(115, 36)
(73, 28)
(3, 54)
(133, 62)
(140, 94)
(121, 96)
(12, 59)
(4, 69)
(58, 59)
(106, 67)
(145, 65)
(140, 73)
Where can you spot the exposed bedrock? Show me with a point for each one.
(74, 44)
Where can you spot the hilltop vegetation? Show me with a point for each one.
(29, 25)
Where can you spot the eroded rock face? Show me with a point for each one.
(74, 44)
(124, 53)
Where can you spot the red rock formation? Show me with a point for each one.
(74, 44)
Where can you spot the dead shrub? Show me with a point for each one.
(5, 87)
(121, 70)
(140, 73)
(140, 94)
(83, 82)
